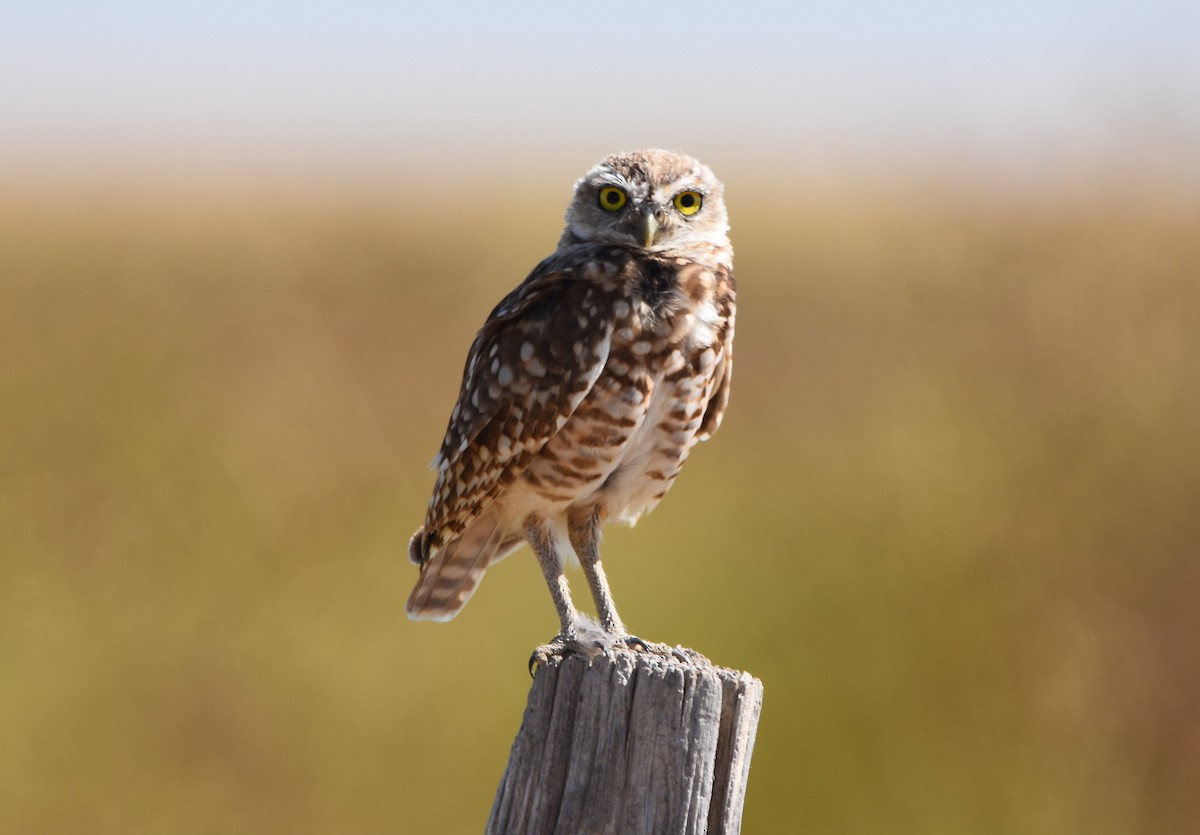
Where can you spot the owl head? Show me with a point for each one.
(653, 200)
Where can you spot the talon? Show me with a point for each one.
(636, 642)
(560, 644)
(542, 654)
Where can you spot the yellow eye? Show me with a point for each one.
(689, 202)
(612, 198)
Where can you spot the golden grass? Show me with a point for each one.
(951, 521)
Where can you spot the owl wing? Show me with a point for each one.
(530, 366)
(723, 299)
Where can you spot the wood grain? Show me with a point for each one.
(631, 742)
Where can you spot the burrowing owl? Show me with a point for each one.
(587, 386)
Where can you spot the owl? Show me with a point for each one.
(586, 389)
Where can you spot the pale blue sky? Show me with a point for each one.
(380, 84)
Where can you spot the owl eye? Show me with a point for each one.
(689, 202)
(612, 198)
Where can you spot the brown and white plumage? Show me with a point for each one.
(588, 385)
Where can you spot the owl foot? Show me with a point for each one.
(590, 643)
(664, 650)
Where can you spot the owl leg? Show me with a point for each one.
(578, 634)
(541, 539)
(584, 532)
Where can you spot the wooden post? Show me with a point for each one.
(630, 742)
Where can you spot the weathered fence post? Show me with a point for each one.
(630, 742)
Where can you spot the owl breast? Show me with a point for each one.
(622, 448)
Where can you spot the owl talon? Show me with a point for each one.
(536, 659)
(589, 647)
(545, 652)
(636, 643)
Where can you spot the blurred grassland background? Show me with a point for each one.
(952, 520)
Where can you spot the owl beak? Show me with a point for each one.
(649, 228)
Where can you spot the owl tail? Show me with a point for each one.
(453, 570)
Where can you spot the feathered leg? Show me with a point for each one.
(584, 532)
(578, 634)
(541, 538)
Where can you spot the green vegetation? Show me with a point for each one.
(951, 521)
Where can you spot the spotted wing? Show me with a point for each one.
(724, 301)
(534, 360)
